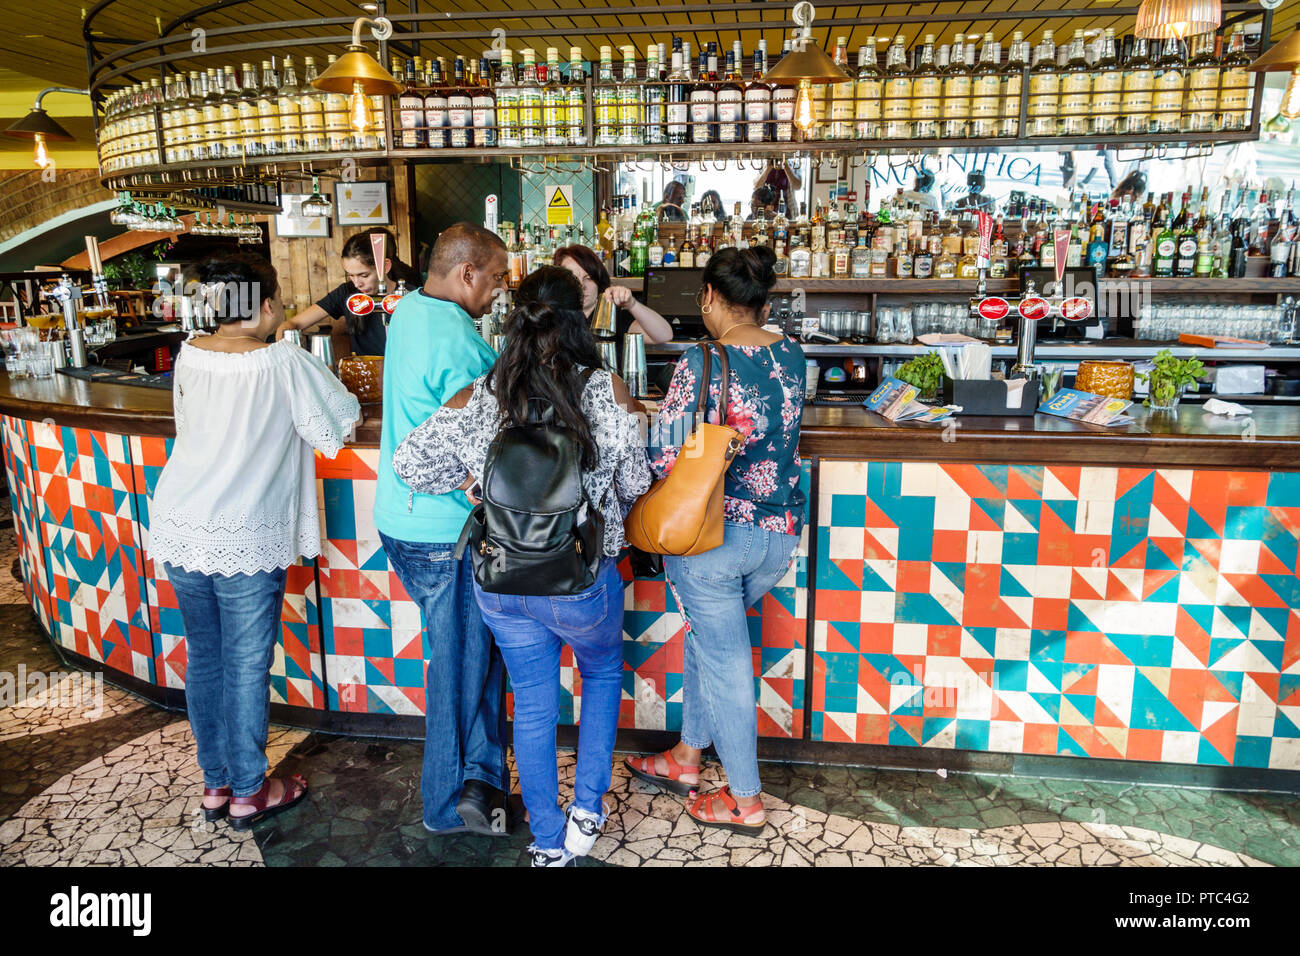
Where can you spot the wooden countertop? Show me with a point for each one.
(1269, 439)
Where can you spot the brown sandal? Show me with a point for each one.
(295, 785)
(644, 769)
(702, 811)
(213, 814)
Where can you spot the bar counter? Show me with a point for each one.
(999, 586)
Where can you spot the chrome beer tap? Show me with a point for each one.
(68, 295)
(1028, 338)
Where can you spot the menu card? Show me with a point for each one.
(1086, 407)
(895, 400)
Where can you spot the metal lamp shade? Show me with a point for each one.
(810, 63)
(1281, 56)
(357, 66)
(37, 122)
(1177, 19)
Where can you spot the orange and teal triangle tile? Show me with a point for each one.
(1025, 481)
(932, 727)
(1286, 586)
(986, 514)
(1188, 690)
(1287, 515)
(1268, 683)
(1219, 739)
(1276, 558)
(1117, 589)
(1085, 704)
(1202, 554)
(975, 482)
(843, 637)
(1134, 557)
(1067, 745)
(1082, 590)
(874, 550)
(841, 574)
(1164, 553)
(1028, 508)
(1127, 479)
(1160, 586)
(1102, 716)
(1278, 619)
(1206, 520)
(905, 730)
(1271, 651)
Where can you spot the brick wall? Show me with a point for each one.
(26, 200)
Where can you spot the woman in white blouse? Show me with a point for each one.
(549, 350)
(234, 507)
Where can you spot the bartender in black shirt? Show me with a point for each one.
(366, 332)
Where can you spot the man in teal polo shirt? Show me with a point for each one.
(433, 351)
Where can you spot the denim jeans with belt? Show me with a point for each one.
(714, 589)
(231, 623)
(529, 630)
(464, 695)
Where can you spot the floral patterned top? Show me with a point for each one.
(765, 404)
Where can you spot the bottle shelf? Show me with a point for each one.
(1260, 285)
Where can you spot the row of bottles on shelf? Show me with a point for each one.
(1116, 238)
(1076, 89)
(1079, 88)
(212, 115)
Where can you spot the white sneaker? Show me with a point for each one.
(550, 857)
(582, 829)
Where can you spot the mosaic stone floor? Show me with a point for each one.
(116, 784)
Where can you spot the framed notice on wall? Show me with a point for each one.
(362, 204)
(290, 223)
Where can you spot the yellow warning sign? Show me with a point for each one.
(559, 206)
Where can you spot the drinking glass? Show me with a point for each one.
(862, 326)
(903, 330)
(40, 361)
(885, 321)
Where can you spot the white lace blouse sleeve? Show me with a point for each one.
(178, 402)
(323, 409)
(452, 443)
(632, 479)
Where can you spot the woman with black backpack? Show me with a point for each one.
(560, 459)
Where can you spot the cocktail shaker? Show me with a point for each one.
(323, 348)
(634, 370)
(609, 355)
(294, 336)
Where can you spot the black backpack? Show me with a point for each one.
(535, 531)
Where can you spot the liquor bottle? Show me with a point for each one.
(1239, 239)
(780, 231)
(530, 102)
(1013, 79)
(189, 137)
(1185, 258)
(896, 110)
(180, 142)
(842, 111)
(1098, 247)
(639, 254)
(927, 93)
(1260, 217)
(287, 110)
(1167, 104)
(555, 103)
(311, 110)
(1234, 97)
(1044, 89)
(655, 251)
(867, 90)
(678, 108)
(783, 105)
(758, 99)
(713, 63)
(686, 253)
(410, 112)
(956, 80)
(1120, 215)
(1076, 90)
(654, 97)
(986, 89)
(268, 110)
(945, 266)
(214, 148)
(509, 133)
(1202, 85)
(460, 108)
(800, 260)
(1139, 86)
(731, 104)
(1203, 227)
(629, 101)
(483, 103)
(338, 136)
(435, 105)
(606, 100)
(229, 107)
(704, 102)
(1282, 248)
(1107, 86)
(1165, 249)
(576, 96)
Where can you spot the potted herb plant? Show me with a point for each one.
(1168, 379)
(925, 372)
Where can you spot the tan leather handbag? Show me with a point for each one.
(681, 514)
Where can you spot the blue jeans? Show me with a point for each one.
(464, 693)
(529, 630)
(231, 626)
(714, 590)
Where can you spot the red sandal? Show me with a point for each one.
(703, 811)
(259, 801)
(644, 768)
(213, 814)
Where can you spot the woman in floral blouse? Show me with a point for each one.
(764, 509)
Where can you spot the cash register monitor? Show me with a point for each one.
(674, 293)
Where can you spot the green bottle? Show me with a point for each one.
(1166, 251)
